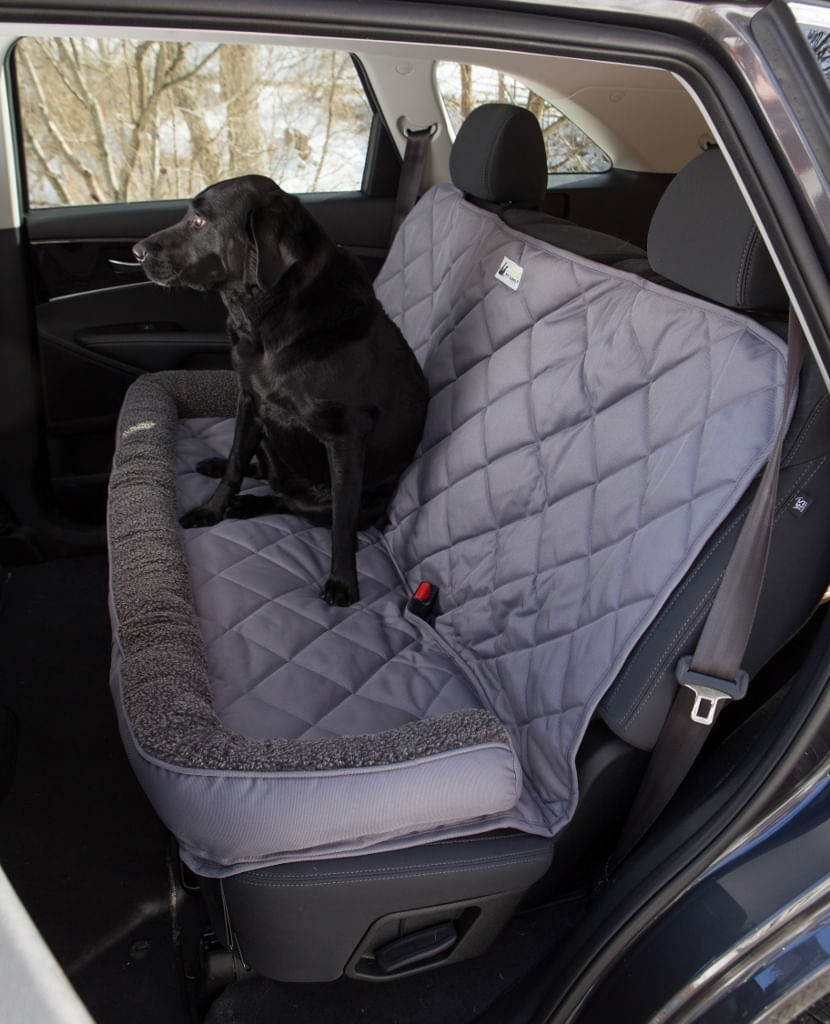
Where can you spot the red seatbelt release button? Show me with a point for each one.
(423, 602)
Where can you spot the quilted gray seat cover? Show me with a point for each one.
(587, 431)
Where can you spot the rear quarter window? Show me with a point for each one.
(463, 87)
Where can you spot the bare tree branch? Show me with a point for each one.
(52, 177)
(42, 109)
(73, 63)
(333, 83)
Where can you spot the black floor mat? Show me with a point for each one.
(78, 839)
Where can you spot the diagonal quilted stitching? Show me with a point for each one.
(650, 412)
(281, 661)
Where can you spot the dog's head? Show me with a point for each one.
(236, 234)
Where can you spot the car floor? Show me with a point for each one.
(78, 840)
(98, 872)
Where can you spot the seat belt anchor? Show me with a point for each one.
(709, 691)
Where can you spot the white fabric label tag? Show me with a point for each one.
(509, 273)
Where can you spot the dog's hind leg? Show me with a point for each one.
(215, 466)
(248, 506)
(246, 439)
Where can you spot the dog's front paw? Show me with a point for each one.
(213, 467)
(203, 515)
(339, 592)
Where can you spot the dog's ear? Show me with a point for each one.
(268, 264)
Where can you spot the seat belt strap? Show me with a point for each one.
(713, 676)
(412, 169)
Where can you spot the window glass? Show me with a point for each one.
(819, 40)
(116, 120)
(814, 22)
(463, 87)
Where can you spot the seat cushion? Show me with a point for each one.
(282, 662)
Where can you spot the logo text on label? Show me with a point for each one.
(509, 273)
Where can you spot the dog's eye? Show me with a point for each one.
(198, 220)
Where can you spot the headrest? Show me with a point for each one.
(703, 237)
(499, 156)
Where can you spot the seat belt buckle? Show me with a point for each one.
(424, 602)
(709, 691)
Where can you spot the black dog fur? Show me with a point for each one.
(332, 400)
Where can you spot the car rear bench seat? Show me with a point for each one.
(588, 431)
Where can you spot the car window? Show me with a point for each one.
(118, 120)
(819, 40)
(463, 87)
(814, 22)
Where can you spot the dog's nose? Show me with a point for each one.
(140, 252)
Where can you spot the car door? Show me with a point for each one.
(115, 136)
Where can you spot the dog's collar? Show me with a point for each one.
(253, 309)
(257, 309)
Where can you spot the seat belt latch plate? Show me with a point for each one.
(709, 691)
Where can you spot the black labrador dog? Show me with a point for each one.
(332, 400)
